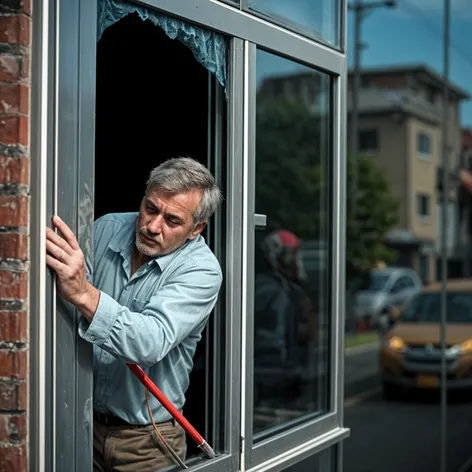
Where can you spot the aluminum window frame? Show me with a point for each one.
(233, 22)
(246, 32)
(292, 26)
(275, 452)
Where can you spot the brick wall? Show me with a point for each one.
(15, 42)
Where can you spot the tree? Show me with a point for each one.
(377, 213)
(294, 169)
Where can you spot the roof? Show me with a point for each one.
(380, 100)
(427, 74)
(453, 284)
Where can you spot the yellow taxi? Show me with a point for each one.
(410, 355)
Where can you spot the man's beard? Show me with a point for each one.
(153, 251)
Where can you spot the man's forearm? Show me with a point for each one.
(88, 302)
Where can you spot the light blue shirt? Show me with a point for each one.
(154, 318)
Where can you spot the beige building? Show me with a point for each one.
(400, 118)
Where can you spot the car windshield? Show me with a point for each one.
(426, 308)
(375, 281)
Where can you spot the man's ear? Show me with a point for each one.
(197, 230)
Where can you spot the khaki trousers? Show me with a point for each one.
(133, 448)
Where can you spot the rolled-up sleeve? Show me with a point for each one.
(146, 334)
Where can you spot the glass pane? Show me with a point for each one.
(319, 20)
(291, 300)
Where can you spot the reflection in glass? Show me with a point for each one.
(291, 300)
(316, 19)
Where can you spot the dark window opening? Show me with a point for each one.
(424, 143)
(368, 140)
(152, 104)
(423, 203)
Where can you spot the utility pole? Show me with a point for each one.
(360, 10)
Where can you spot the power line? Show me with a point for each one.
(419, 14)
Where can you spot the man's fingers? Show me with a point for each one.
(58, 240)
(66, 231)
(58, 252)
(53, 263)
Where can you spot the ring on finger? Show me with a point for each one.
(62, 254)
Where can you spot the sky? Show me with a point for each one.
(412, 33)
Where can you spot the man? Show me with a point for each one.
(146, 300)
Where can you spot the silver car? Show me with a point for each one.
(383, 289)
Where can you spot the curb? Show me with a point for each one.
(351, 351)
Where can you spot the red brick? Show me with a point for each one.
(13, 363)
(13, 396)
(13, 285)
(15, 29)
(14, 171)
(13, 326)
(14, 99)
(12, 427)
(19, 426)
(13, 246)
(13, 458)
(14, 130)
(13, 210)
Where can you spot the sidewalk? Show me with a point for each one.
(361, 369)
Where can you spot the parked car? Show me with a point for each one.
(383, 289)
(410, 357)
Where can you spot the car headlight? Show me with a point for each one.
(466, 346)
(396, 344)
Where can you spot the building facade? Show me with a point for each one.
(94, 94)
(400, 126)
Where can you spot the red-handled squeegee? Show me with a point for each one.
(165, 402)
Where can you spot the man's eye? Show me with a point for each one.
(173, 222)
(151, 210)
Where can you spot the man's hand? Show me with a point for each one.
(66, 258)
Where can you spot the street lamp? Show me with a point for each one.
(361, 10)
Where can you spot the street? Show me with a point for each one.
(404, 435)
(397, 435)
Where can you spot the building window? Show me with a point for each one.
(424, 268)
(423, 207)
(368, 140)
(424, 144)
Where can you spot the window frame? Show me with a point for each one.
(369, 149)
(75, 60)
(299, 29)
(255, 456)
(420, 199)
(428, 139)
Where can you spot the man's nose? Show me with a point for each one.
(155, 225)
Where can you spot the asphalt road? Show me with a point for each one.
(404, 435)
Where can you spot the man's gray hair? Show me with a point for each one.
(183, 174)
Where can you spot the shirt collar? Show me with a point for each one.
(123, 242)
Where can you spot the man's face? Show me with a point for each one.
(165, 221)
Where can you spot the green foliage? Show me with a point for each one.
(294, 168)
(377, 213)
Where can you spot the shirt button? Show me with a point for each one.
(92, 338)
(127, 288)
